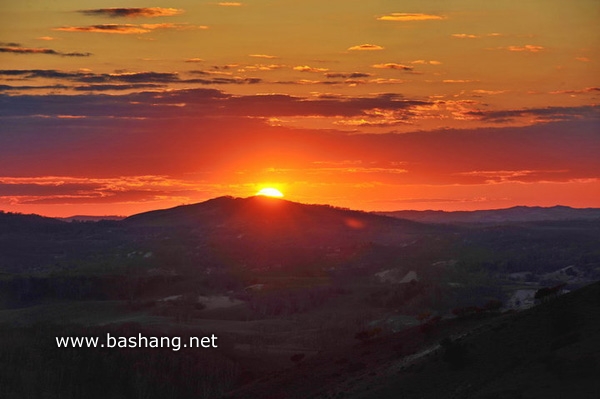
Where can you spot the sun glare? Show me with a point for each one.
(270, 192)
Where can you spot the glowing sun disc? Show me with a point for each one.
(270, 192)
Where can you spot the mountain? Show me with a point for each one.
(278, 220)
(514, 214)
(90, 218)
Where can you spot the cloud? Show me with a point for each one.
(128, 29)
(77, 190)
(465, 36)
(367, 47)
(488, 92)
(118, 87)
(111, 81)
(27, 50)
(583, 59)
(548, 114)
(270, 57)
(306, 68)
(194, 60)
(392, 65)
(424, 62)
(404, 17)
(147, 12)
(46, 38)
(523, 176)
(582, 91)
(459, 81)
(19, 88)
(262, 67)
(528, 48)
(353, 75)
(230, 4)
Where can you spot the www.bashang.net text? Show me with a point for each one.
(139, 341)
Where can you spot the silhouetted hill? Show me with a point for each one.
(17, 222)
(514, 214)
(280, 220)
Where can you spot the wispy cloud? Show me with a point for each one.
(425, 62)
(405, 16)
(488, 92)
(194, 60)
(270, 57)
(392, 65)
(582, 91)
(147, 12)
(465, 36)
(528, 47)
(230, 4)
(128, 29)
(353, 75)
(262, 67)
(306, 68)
(366, 47)
(46, 38)
(27, 50)
(459, 81)
(76, 190)
(524, 176)
(548, 114)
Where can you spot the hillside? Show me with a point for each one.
(549, 351)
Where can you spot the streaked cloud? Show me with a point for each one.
(262, 67)
(582, 91)
(547, 114)
(366, 47)
(459, 81)
(306, 68)
(28, 50)
(77, 190)
(523, 176)
(147, 12)
(488, 92)
(404, 17)
(46, 38)
(425, 62)
(353, 75)
(465, 36)
(527, 48)
(128, 29)
(392, 65)
(230, 4)
(194, 60)
(270, 57)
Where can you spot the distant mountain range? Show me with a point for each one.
(225, 207)
(514, 214)
(88, 218)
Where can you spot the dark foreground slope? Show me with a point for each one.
(550, 351)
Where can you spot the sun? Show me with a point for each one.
(270, 192)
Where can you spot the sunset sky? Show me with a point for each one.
(373, 105)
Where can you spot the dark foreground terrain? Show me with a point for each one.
(549, 351)
(307, 301)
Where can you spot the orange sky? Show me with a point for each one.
(453, 105)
